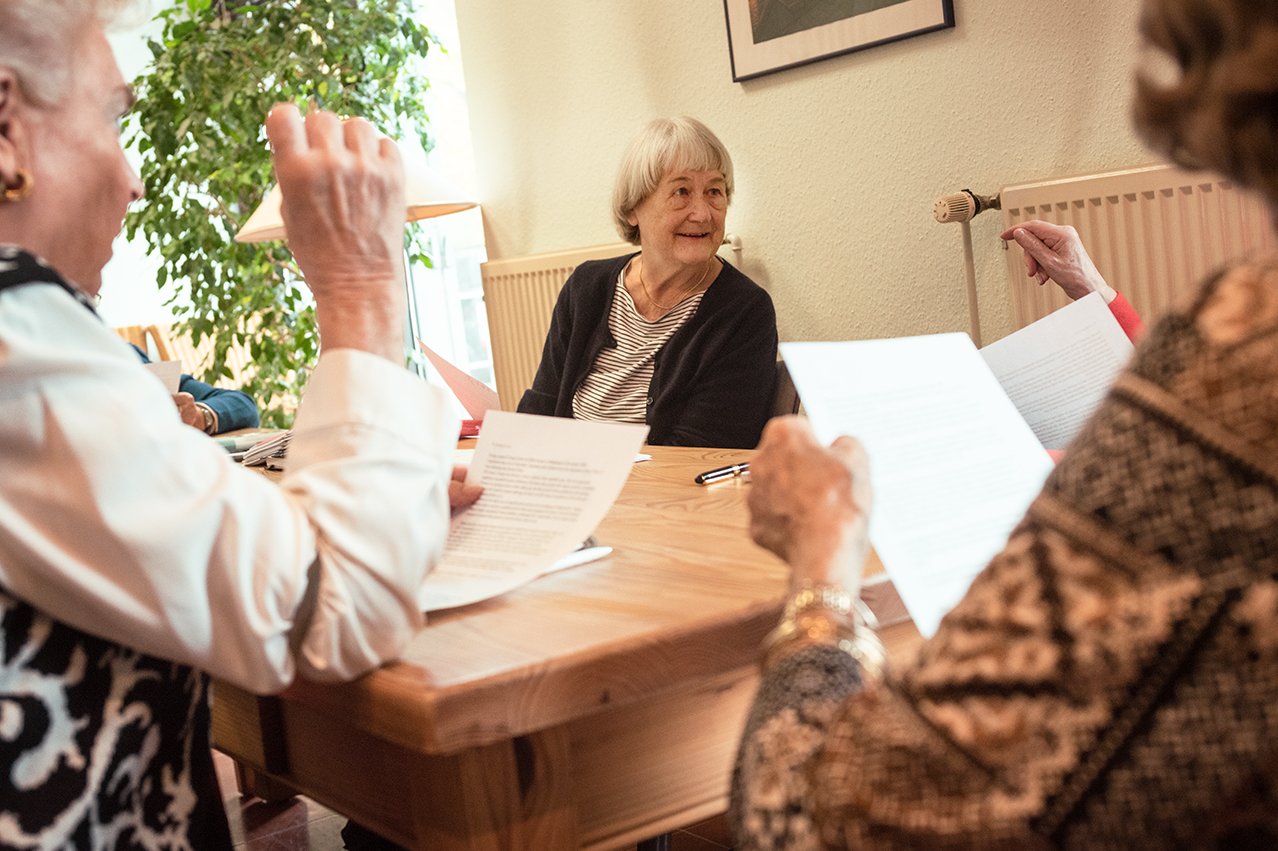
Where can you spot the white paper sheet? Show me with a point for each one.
(464, 457)
(168, 371)
(548, 481)
(1057, 370)
(953, 465)
(475, 396)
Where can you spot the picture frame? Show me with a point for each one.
(765, 36)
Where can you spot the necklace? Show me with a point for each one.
(682, 293)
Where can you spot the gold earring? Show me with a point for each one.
(22, 189)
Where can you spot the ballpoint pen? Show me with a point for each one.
(721, 473)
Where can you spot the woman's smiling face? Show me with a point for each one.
(682, 220)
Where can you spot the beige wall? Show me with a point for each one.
(837, 162)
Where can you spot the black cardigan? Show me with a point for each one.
(713, 381)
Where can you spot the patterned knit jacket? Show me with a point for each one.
(1111, 679)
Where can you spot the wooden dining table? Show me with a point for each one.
(592, 708)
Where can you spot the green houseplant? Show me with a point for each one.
(216, 70)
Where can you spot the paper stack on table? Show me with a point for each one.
(239, 444)
(264, 451)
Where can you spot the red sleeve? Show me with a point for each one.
(1127, 317)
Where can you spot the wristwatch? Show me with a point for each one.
(210, 418)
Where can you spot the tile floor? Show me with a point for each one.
(296, 825)
(303, 825)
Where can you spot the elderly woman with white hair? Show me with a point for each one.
(135, 557)
(672, 336)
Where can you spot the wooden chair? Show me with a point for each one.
(196, 358)
(151, 339)
(786, 399)
(159, 343)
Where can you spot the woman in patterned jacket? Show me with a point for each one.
(1111, 679)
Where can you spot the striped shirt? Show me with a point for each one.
(616, 389)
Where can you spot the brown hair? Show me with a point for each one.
(1221, 109)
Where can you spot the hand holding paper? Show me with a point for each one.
(954, 465)
(547, 482)
(462, 494)
(188, 410)
(811, 505)
(168, 371)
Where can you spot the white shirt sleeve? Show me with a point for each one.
(119, 520)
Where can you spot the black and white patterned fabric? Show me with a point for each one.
(19, 268)
(101, 747)
(105, 747)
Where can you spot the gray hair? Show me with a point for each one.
(37, 39)
(665, 145)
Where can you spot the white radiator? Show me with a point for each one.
(1154, 232)
(519, 296)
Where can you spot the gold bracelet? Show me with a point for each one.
(827, 614)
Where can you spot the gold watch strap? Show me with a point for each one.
(830, 615)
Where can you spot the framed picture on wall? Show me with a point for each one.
(772, 35)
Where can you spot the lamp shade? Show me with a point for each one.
(426, 193)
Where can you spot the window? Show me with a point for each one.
(448, 298)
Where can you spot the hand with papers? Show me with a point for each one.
(811, 505)
(956, 436)
(547, 483)
(462, 494)
(190, 413)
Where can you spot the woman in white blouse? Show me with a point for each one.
(135, 557)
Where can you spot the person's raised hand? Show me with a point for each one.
(1055, 253)
(342, 189)
(810, 505)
